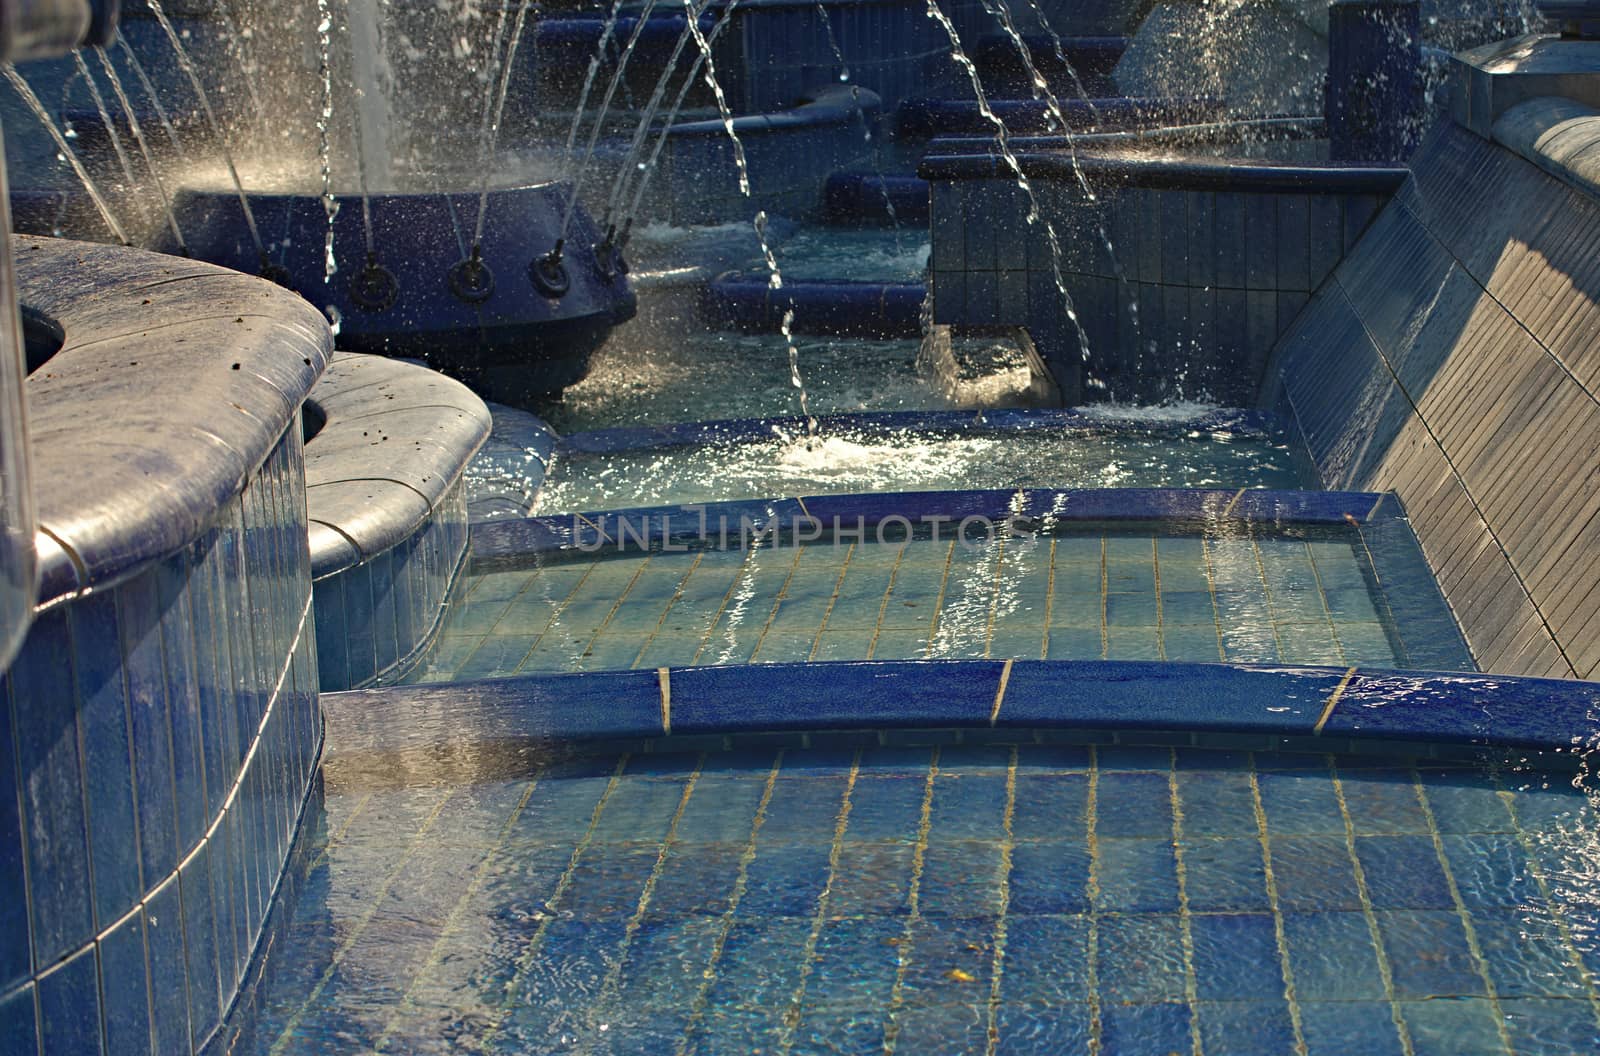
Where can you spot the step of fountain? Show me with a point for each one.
(737, 301)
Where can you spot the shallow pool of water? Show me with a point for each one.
(919, 896)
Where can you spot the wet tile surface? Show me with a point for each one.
(1012, 898)
(1311, 597)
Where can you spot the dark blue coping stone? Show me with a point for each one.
(852, 197)
(1185, 174)
(1281, 127)
(1244, 424)
(1347, 705)
(834, 105)
(507, 543)
(925, 118)
(388, 422)
(174, 382)
(576, 38)
(860, 309)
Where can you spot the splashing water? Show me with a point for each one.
(105, 119)
(188, 67)
(144, 147)
(1002, 142)
(722, 100)
(506, 66)
(32, 100)
(330, 205)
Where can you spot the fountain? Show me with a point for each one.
(388, 202)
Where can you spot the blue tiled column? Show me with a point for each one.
(157, 741)
(16, 494)
(376, 618)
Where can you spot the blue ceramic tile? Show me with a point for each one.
(1051, 806)
(19, 1028)
(43, 709)
(1333, 957)
(138, 620)
(1246, 1028)
(1236, 957)
(1140, 959)
(108, 761)
(1337, 1028)
(14, 949)
(1428, 954)
(1464, 1027)
(1137, 1030)
(125, 987)
(968, 808)
(961, 880)
(178, 642)
(1300, 804)
(69, 1005)
(1550, 1028)
(1215, 803)
(206, 994)
(1137, 876)
(1049, 877)
(1403, 872)
(886, 808)
(1314, 873)
(1225, 876)
(1491, 869)
(1134, 805)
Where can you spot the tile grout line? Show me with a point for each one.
(1332, 702)
(1228, 509)
(1191, 986)
(1211, 588)
(739, 576)
(677, 595)
(841, 821)
(1000, 694)
(1105, 587)
(883, 606)
(697, 1008)
(1266, 593)
(994, 598)
(1270, 877)
(611, 984)
(1155, 572)
(938, 602)
(919, 858)
(827, 613)
(1003, 879)
(664, 679)
(778, 600)
(1385, 970)
(360, 927)
(1574, 958)
(555, 616)
(1092, 897)
(453, 920)
(1049, 603)
(616, 606)
(1327, 611)
(1473, 946)
(525, 959)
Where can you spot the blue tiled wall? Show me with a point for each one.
(156, 744)
(1208, 279)
(375, 617)
(1452, 358)
(775, 53)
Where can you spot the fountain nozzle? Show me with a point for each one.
(549, 274)
(470, 279)
(275, 273)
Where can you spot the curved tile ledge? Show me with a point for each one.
(1310, 708)
(1560, 136)
(394, 442)
(190, 374)
(387, 511)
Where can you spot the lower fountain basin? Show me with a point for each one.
(509, 325)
